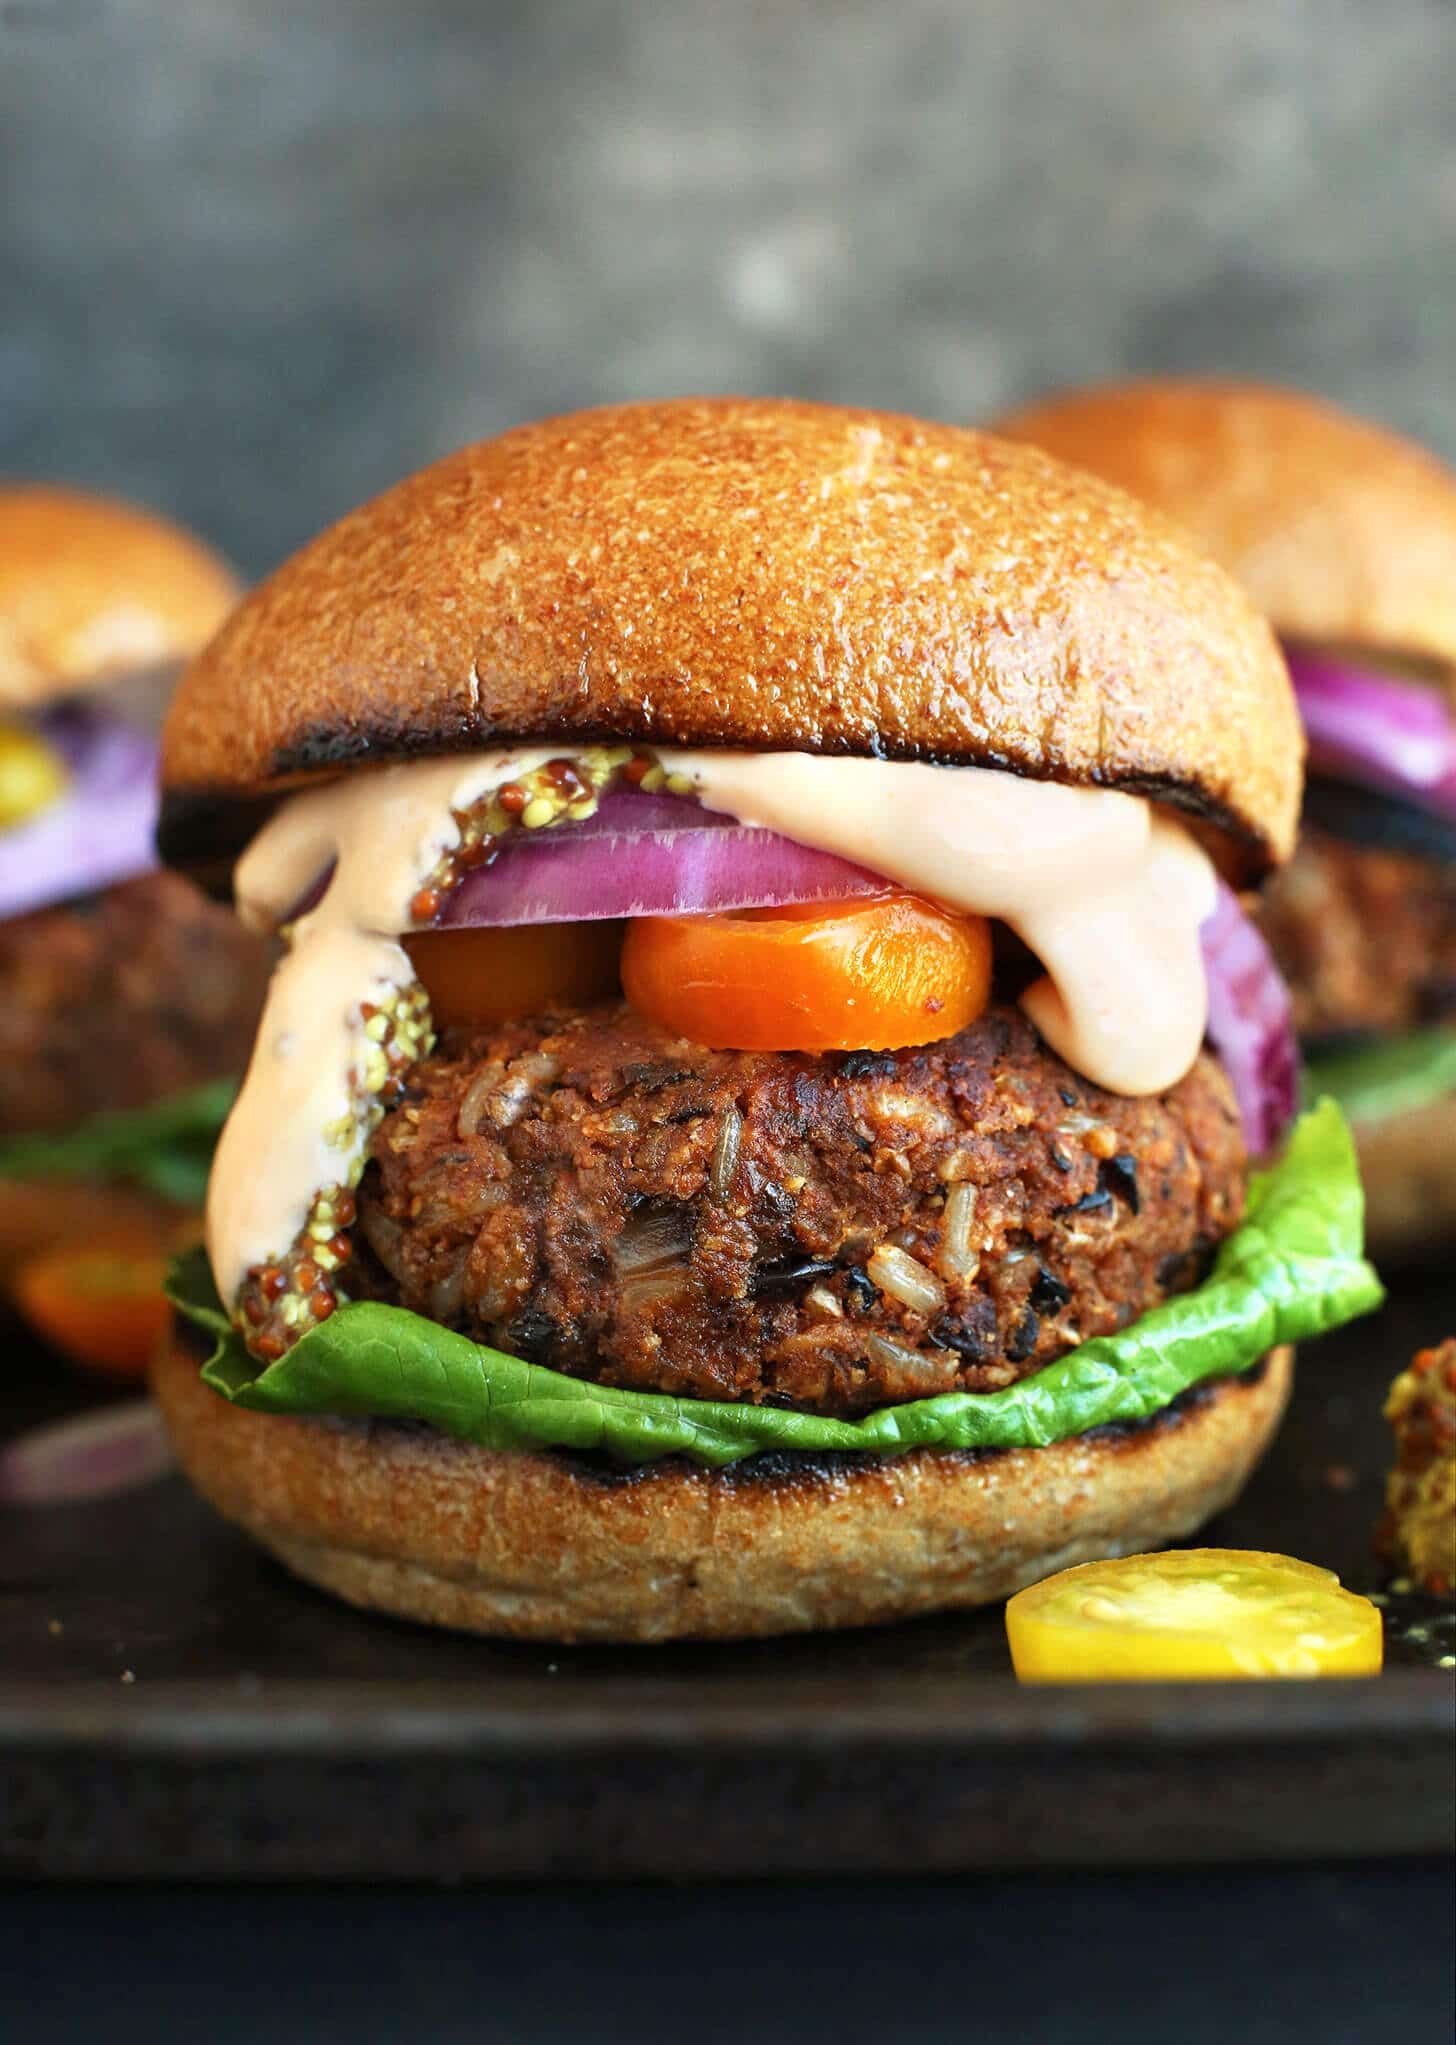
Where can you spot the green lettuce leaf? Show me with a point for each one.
(1292, 1269)
(166, 1148)
(1392, 1077)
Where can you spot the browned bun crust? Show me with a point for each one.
(91, 589)
(760, 573)
(1340, 531)
(1406, 1167)
(537, 1547)
(41, 1214)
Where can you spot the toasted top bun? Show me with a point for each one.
(759, 573)
(1341, 532)
(91, 590)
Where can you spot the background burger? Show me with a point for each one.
(126, 997)
(732, 1146)
(1345, 536)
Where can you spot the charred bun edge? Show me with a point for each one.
(202, 832)
(532, 1545)
(823, 1466)
(769, 1467)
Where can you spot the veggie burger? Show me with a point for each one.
(126, 997)
(749, 1130)
(1345, 536)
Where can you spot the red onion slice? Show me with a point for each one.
(100, 831)
(90, 1456)
(1250, 1023)
(648, 855)
(1378, 729)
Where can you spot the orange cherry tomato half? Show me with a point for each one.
(100, 1303)
(871, 974)
(478, 977)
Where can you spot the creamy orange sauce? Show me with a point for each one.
(1108, 896)
(293, 1128)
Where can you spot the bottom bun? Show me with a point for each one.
(540, 1546)
(42, 1214)
(1408, 1168)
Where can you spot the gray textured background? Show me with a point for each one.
(259, 257)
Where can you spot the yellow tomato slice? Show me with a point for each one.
(476, 978)
(1193, 1614)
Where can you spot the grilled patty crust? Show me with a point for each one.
(1364, 934)
(832, 1232)
(121, 999)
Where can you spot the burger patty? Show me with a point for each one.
(122, 999)
(830, 1232)
(1365, 935)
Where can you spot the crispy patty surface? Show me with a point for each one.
(122, 999)
(833, 1232)
(1364, 934)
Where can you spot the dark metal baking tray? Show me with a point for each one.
(173, 1705)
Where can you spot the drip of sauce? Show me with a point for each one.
(383, 833)
(1109, 897)
(293, 1128)
(1106, 894)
